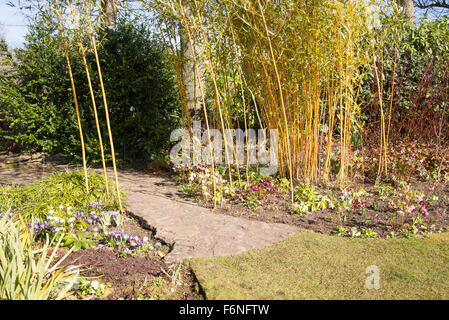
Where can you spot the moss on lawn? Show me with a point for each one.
(315, 266)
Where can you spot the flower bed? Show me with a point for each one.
(101, 253)
(412, 200)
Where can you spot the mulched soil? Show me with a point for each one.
(130, 277)
(276, 209)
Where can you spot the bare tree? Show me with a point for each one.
(408, 6)
(432, 4)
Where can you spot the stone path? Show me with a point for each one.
(193, 231)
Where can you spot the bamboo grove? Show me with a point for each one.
(297, 65)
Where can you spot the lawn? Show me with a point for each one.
(316, 266)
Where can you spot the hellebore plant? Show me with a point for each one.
(408, 206)
(351, 202)
(199, 178)
(358, 206)
(91, 288)
(308, 199)
(409, 165)
(263, 188)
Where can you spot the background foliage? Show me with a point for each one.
(413, 63)
(38, 107)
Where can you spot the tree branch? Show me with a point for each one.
(432, 4)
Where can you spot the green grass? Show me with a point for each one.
(315, 266)
(63, 188)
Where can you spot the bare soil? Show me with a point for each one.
(132, 277)
(276, 209)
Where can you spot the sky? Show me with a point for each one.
(12, 24)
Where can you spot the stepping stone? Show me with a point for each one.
(194, 231)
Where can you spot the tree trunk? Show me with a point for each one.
(109, 13)
(190, 79)
(408, 8)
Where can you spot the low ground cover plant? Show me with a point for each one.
(65, 189)
(95, 228)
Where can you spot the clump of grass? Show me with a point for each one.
(64, 188)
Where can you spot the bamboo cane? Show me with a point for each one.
(281, 97)
(203, 100)
(94, 106)
(75, 99)
(94, 47)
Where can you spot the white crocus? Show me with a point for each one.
(95, 284)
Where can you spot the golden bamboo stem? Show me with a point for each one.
(281, 97)
(94, 106)
(203, 100)
(66, 50)
(94, 47)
